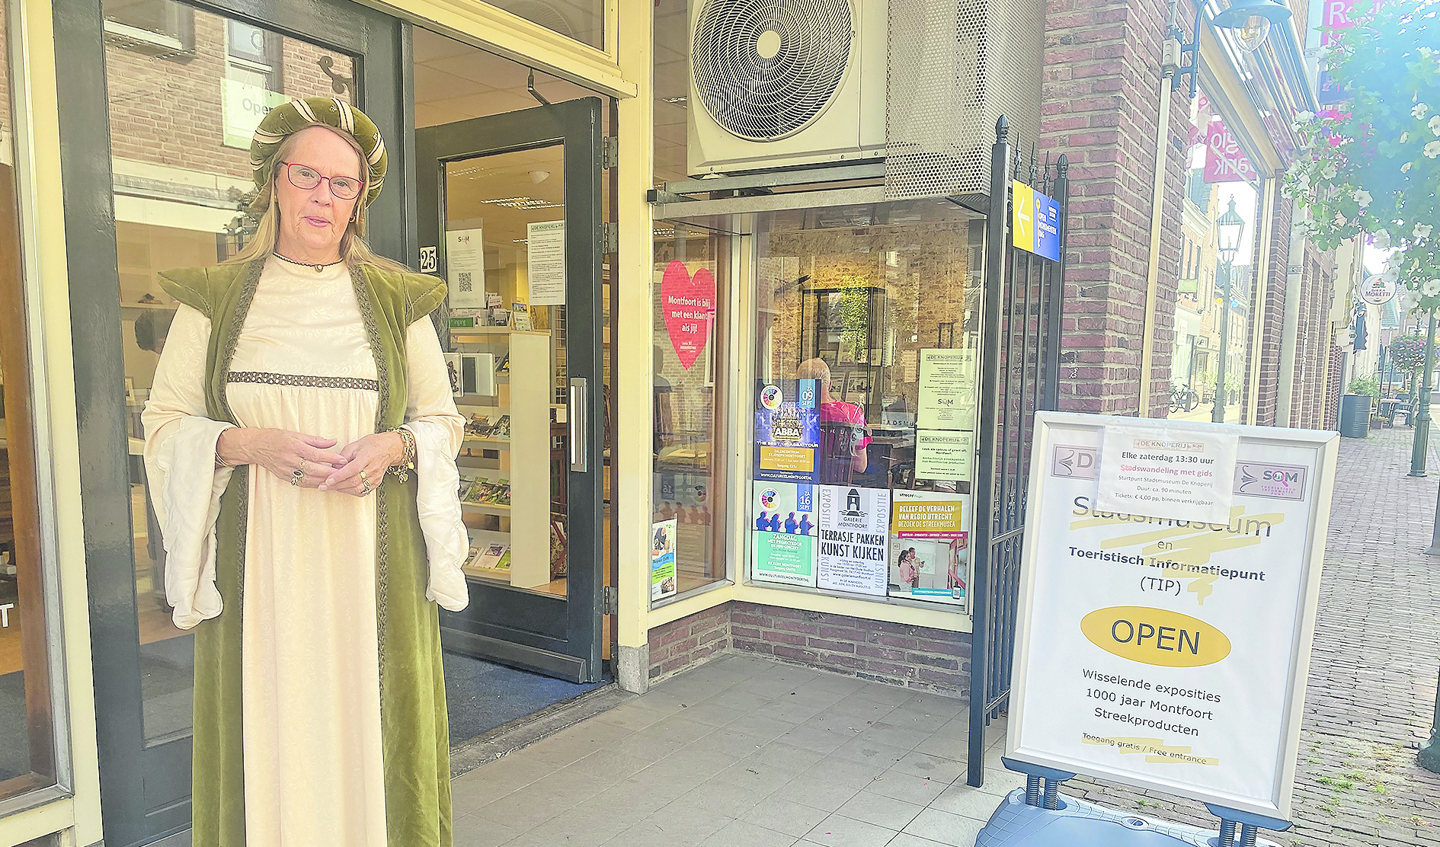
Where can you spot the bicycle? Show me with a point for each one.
(1183, 399)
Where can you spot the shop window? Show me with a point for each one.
(159, 27)
(180, 144)
(27, 734)
(693, 375)
(867, 350)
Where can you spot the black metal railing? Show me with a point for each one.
(1020, 373)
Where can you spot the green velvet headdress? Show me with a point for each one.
(284, 121)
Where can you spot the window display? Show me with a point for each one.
(866, 374)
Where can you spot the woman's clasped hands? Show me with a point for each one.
(310, 461)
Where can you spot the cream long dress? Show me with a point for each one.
(311, 690)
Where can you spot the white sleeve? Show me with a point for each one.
(431, 417)
(184, 483)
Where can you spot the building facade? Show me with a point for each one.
(675, 385)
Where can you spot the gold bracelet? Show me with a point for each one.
(220, 461)
(407, 463)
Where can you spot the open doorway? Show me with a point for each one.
(506, 182)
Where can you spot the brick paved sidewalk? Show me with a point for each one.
(1373, 671)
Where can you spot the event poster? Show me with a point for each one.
(930, 547)
(545, 262)
(787, 431)
(662, 559)
(854, 539)
(1170, 653)
(1181, 472)
(947, 389)
(465, 268)
(784, 532)
(944, 455)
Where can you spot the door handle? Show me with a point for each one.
(579, 425)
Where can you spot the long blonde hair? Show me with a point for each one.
(353, 249)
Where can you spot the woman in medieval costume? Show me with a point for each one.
(300, 442)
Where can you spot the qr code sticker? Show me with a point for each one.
(466, 285)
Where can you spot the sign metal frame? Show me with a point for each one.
(1326, 446)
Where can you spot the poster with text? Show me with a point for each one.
(783, 533)
(662, 558)
(947, 389)
(854, 539)
(787, 430)
(930, 547)
(1170, 653)
(465, 268)
(941, 454)
(545, 262)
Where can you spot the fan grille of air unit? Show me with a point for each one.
(765, 98)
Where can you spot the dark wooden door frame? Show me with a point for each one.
(556, 636)
(145, 790)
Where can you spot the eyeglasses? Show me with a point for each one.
(305, 178)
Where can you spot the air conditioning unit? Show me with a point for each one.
(780, 83)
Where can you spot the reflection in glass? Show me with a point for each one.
(878, 309)
(582, 20)
(692, 271)
(505, 265)
(186, 90)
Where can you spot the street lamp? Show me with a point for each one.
(1230, 227)
(1251, 20)
(1421, 443)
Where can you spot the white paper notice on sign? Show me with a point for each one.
(854, 539)
(947, 389)
(940, 454)
(1170, 471)
(546, 263)
(1170, 654)
(465, 268)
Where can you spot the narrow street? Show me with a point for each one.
(820, 759)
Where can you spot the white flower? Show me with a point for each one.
(1362, 197)
(1381, 240)
(1431, 288)
(1408, 300)
(1391, 275)
(1432, 150)
(1435, 124)
(1304, 117)
(1328, 171)
(1419, 111)
(1422, 231)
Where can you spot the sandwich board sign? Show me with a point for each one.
(1164, 644)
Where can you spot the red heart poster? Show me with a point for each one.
(689, 307)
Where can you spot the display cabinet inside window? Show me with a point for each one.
(866, 378)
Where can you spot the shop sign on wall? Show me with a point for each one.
(784, 533)
(929, 547)
(1377, 290)
(1225, 160)
(662, 558)
(854, 539)
(787, 430)
(1171, 653)
(688, 303)
(1034, 221)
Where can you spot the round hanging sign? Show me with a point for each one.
(1377, 290)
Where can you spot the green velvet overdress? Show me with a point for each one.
(413, 723)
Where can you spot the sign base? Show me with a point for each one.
(1076, 823)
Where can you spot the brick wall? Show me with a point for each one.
(685, 643)
(908, 656)
(1271, 312)
(1100, 106)
(167, 109)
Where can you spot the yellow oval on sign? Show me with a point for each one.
(1155, 636)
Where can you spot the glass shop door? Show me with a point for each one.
(510, 217)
